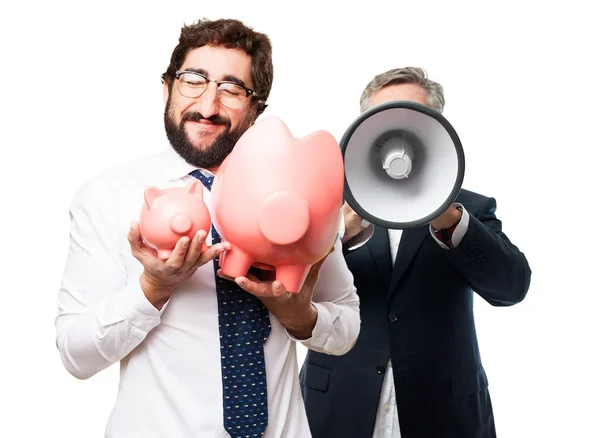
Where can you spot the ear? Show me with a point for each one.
(151, 194)
(166, 91)
(261, 106)
(256, 109)
(194, 188)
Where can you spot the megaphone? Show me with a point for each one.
(403, 165)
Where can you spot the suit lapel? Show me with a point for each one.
(379, 247)
(410, 242)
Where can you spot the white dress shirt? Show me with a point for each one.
(170, 362)
(386, 423)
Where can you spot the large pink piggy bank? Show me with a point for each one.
(169, 214)
(277, 201)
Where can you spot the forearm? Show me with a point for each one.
(494, 267)
(91, 339)
(302, 325)
(156, 293)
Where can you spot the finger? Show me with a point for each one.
(315, 268)
(226, 277)
(317, 265)
(195, 249)
(278, 289)
(257, 288)
(348, 211)
(135, 241)
(211, 253)
(314, 272)
(133, 236)
(178, 254)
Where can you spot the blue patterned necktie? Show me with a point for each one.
(244, 326)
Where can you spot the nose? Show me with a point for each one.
(208, 103)
(180, 223)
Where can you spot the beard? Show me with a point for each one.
(204, 156)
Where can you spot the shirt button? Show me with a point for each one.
(392, 317)
(380, 369)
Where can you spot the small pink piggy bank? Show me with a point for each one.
(277, 200)
(169, 214)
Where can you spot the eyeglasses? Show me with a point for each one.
(192, 84)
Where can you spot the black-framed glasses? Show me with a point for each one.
(192, 84)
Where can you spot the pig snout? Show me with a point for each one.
(180, 223)
(284, 217)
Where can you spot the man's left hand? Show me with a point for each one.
(447, 219)
(295, 311)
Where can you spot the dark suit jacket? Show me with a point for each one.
(420, 314)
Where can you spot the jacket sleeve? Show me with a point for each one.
(495, 268)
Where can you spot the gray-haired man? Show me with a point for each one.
(416, 370)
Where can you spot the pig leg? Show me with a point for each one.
(292, 276)
(234, 262)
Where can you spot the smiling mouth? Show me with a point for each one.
(205, 125)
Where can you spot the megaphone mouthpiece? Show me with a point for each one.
(397, 157)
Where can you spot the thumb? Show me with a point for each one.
(313, 273)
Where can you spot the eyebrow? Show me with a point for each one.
(227, 78)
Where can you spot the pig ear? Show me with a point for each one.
(194, 188)
(151, 194)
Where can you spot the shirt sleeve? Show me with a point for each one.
(102, 313)
(337, 304)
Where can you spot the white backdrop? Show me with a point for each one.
(81, 91)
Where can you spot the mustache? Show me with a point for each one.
(195, 116)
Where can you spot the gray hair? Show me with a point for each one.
(406, 75)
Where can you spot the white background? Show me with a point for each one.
(81, 91)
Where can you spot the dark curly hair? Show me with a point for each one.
(231, 34)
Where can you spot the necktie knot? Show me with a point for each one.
(207, 181)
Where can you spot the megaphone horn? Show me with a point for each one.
(403, 165)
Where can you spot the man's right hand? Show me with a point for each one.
(161, 277)
(352, 222)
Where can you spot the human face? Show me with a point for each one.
(202, 130)
(410, 92)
